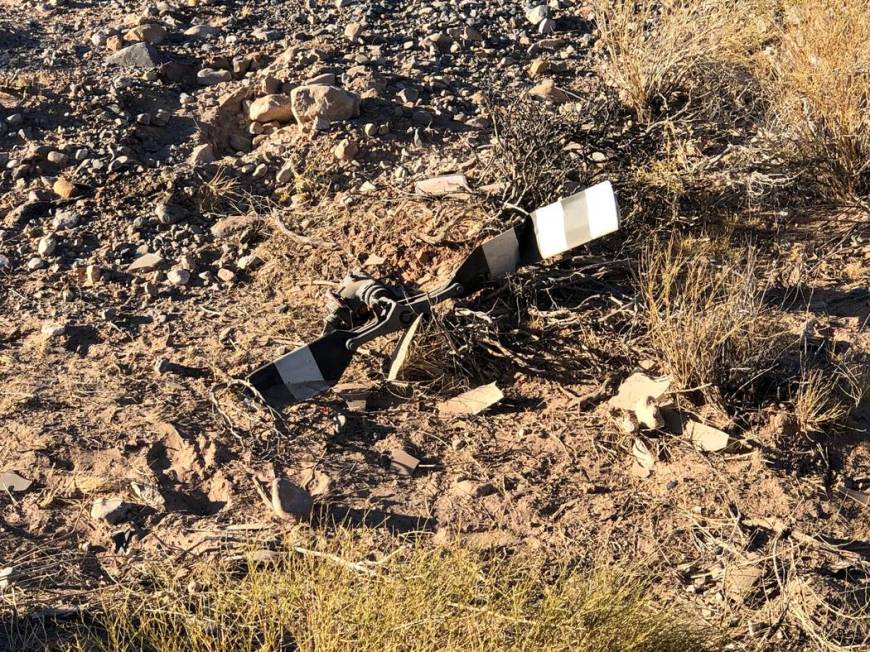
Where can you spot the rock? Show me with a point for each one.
(57, 158)
(65, 220)
(539, 67)
(226, 275)
(202, 31)
(286, 174)
(547, 26)
(169, 213)
(346, 150)
(271, 107)
(351, 32)
(471, 402)
(93, 274)
(51, 330)
(290, 501)
(446, 184)
(149, 33)
(111, 510)
(146, 263)
(408, 95)
(202, 155)
(11, 481)
(251, 261)
(178, 277)
(66, 189)
(47, 246)
(35, 263)
(210, 77)
(370, 129)
(4, 263)
(140, 55)
(537, 13)
(114, 43)
(547, 90)
(324, 103)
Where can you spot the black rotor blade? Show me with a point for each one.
(304, 372)
(549, 231)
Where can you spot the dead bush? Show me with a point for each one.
(704, 313)
(818, 80)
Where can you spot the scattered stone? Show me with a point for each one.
(324, 103)
(346, 150)
(202, 31)
(289, 501)
(547, 90)
(67, 189)
(146, 263)
(271, 107)
(57, 158)
(249, 262)
(202, 155)
(210, 77)
(351, 32)
(149, 33)
(4, 263)
(471, 402)
(7, 577)
(110, 510)
(140, 55)
(169, 213)
(65, 220)
(226, 275)
(47, 246)
(11, 481)
(52, 330)
(178, 276)
(408, 95)
(539, 67)
(93, 274)
(547, 26)
(537, 13)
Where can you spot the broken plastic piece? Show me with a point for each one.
(474, 401)
(706, 438)
(403, 462)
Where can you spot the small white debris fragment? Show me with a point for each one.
(642, 455)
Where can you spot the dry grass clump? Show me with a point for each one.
(691, 47)
(420, 598)
(819, 84)
(818, 402)
(704, 313)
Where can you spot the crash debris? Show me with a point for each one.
(11, 481)
(472, 402)
(637, 401)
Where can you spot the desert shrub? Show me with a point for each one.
(690, 48)
(818, 80)
(421, 598)
(705, 314)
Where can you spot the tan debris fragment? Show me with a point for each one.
(403, 462)
(642, 455)
(474, 401)
(11, 481)
(740, 581)
(706, 438)
(446, 184)
(639, 395)
(399, 356)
